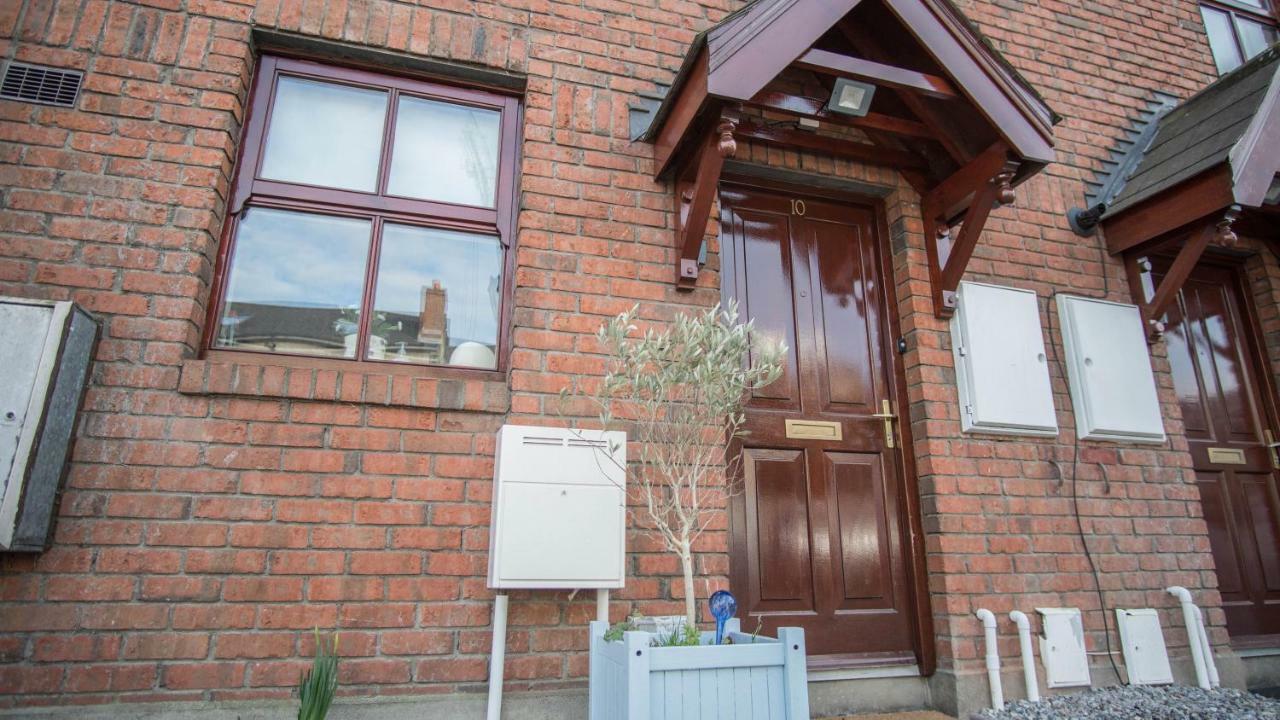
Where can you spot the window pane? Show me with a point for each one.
(296, 283)
(325, 134)
(1254, 36)
(437, 297)
(1222, 39)
(444, 152)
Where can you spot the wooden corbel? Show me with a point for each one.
(982, 184)
(1217, 232)
(695, 190)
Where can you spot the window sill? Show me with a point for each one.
(264, 376)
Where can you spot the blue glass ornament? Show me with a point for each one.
(723, 607)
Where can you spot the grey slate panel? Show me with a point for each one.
(1199, 133)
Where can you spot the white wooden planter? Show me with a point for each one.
(764, 679)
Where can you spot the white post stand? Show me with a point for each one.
(602, 605)
(497, 657)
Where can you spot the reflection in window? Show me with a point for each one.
(444, 152)
(295, 284)
(437, 298)
(325, 134)
(1235, 37)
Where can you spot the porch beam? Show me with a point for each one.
(864, 43)
(694, 197)
(863, 152)
(684, 111)
(982, 184)
(1219, 233)
(809, 107)
(830, 63)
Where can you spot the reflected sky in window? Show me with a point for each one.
(325, 134)
(444, 152)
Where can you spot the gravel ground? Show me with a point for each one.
(1175, 702)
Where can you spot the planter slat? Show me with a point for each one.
(756, 678)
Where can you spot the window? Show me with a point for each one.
(371, 220)
(1238, 30)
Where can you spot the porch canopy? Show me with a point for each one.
(946, 110)
(1200, 172)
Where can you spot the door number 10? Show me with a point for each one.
(797, 207)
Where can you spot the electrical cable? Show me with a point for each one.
(1075, 461)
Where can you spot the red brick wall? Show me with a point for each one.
(216, 512)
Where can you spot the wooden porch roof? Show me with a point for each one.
(959, 123)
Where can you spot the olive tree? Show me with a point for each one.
(679, 392)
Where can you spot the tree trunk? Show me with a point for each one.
(690, 601)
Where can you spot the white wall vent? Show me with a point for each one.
(45, 350)
(559, 509)
(1113, 389)
(1062, 648)
(40, 84)
(1145, 657)
(1001, 369)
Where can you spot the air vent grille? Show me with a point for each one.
(38, 84)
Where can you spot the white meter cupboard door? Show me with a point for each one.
(29, 326)
(1001, 368)
(580, 547)
(1145, 656)
(1113, 390)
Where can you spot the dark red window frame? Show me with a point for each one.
(250, 190)
(1266, 15)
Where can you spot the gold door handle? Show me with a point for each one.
(1271, 448)
(888, 417)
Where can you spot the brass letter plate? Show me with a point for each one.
(814, 430)
(1226, 456)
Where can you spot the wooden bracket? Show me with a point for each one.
(1218, 232)
(984, 182)
(694, 196)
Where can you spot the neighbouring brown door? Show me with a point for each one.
(1227, 411)
(818, 533)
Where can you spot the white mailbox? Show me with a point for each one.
(1001, 369)
(559, 509)
(1113, 390)
(45, 350)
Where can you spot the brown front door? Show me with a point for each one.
(1227, 411)
(818, 533)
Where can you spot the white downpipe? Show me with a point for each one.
(1028, 659)
(1189, 611)
(1210, 664)
(993, 657)
(497, 657)
(602, 605)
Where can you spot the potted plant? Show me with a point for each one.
(348, 326)
(679, 394)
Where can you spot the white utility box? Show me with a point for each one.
(1001, 369)
(1113, 389)
(1145, 657)
(1062, 650)
(45, 350)
(559, 509)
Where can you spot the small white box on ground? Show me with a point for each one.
(559, 509)
(1113, 389)
(1145, 657)
(1001, 368)
(1062, 648)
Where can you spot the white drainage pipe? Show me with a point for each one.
(993, 657)
(497, 657)
(1210, 664)
(1194, 639)
(1028, 659)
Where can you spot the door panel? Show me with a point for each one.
(1226, 405)
(817, 537)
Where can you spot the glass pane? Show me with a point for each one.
(444, 152)
(1254, 36)
(325, 134)
(295, 284)
(1222, 39)
(437, 297)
